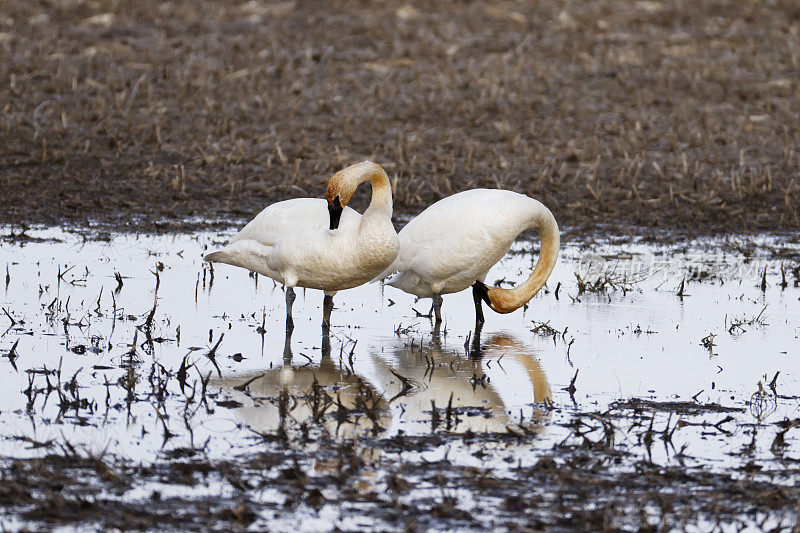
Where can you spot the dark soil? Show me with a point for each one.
(588, 486)
(665, 114)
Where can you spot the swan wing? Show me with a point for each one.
(292, 218)
(290, 240)
(457, 239)
(245, 253)
(443, 240)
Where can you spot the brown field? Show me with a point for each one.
(672, 114)
(181, 115)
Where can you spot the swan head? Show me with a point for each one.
(335, 211)
(341, 188)
(499, 300)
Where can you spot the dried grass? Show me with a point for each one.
(672, 114)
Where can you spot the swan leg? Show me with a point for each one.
(436, 339)
(437, 308)
(327, 307)
(477, 297)
(290, 297)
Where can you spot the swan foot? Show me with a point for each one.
(327, 307)
(435, 311)
(429, 314)
(290, 297)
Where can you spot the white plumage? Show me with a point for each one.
(455, 242)
(291, 242)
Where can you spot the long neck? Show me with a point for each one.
(381, 202)
(508, 300)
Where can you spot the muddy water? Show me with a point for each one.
(130, 350)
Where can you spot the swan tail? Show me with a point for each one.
(386, 277)
(394, 270)
(244, 253)
(216, 257)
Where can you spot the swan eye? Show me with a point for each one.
(335, 211)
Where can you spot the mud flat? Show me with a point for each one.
(669, 114)
(646, 388)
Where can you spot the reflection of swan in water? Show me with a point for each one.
(506, 375)
(322, 393)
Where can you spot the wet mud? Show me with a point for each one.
(646, 388)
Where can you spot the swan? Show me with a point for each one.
(320, 244)
(453, 243)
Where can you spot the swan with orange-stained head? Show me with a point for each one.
(454, 243)
(320, 244)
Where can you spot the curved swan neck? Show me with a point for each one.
(381, 200)
(508, 300)
(344, 183)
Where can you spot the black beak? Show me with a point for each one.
(335, 211)
(481, 291)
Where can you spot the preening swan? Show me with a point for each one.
(320, 244)
(453, 243)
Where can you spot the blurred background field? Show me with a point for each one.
(671, 114)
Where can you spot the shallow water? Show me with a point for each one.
(638, 340)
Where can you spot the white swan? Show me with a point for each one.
(453, 243)
(320, 244)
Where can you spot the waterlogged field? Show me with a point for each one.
(647, 387)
